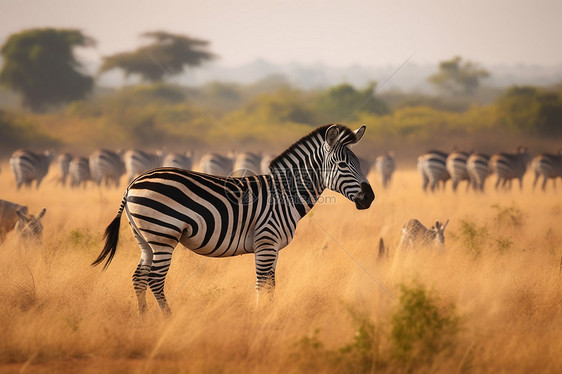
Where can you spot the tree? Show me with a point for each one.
(458, 77)
(40, 65)
(169, 53)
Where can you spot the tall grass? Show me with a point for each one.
(336, 308)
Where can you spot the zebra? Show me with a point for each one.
(28, 166)
(245, 164)
(30, 227)
(106, 166)
(415, 233)
(385, 166)
(215, 164)
(179, 160)
(137, 162)
(63, 161)
(456, 167)
(547, 165)
(432, 166)
(220, 217)
(478, 170)
(79, 171)
(508, 166)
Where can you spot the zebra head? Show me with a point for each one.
(342, 171)
(30, 227)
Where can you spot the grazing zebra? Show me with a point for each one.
(63, 161)
(30, 227)
(385, 166)
(106, 166)
(137, 162)
(215, 164)
(265, 161)
(221, 217)
(548, 166)
(246, 164)
(432, 166)
(28, 166)
(179, 160)
(478, 170)
(456, 167)
(508, 166)
(79, 171)
(415, 233)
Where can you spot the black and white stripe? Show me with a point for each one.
(432, 166)
(246, 164)
(478, 170)
(548, 166)
(456, 167)
(179, 160)
(220, 217)
(106, 166)
(79, 171)
(508, 166)
(28, 167)
(215, 164)
(137, 162)
(63, 162)
(385, 166)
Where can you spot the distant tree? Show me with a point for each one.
(167, 53)
(343, 101)
(458, 77)
(40, 65)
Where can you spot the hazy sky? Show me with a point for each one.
(337, 33)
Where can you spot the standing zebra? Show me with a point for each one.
(548, 166)
(478, 170)
(179, 160)
(432, 166)
(63, 161)
(28, 166)
(137, 162)
(106, 166)
(385, 166)
(221, 217)
(215, 164)
(508, 166)
(79, 171)
(246, 164)
(456, 167)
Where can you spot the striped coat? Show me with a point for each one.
(79, 171)
(508, 166)
(385, 166)
(106, 166)
(137, 162)
(547, 165)
(28, 167)
(478, 170)
(179, 160)
(246, 163)
(63, 161)
(432, 167)
(215, 164)
(456, 167)
(221, 217)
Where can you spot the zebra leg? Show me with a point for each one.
(545, 179)
(140, 276)
(162, 259)
(266, 261)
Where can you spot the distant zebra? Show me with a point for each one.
(215, 164)
(432, 166)
(79, 171)
(478, 170)
(265, 161)
(246, 164)
(508, 166)
(179, 160)
(221, 217)
(385, 166)
(28, 166)
(415, 233)
(456, 167)
(30, 227)
(548, 166)
(106, 166)
(137, 162)
(63, 161)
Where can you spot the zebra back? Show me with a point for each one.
(432, 166)
(478, 170)
(246, 164)
(456, 167)
(510, 165)
(179, 160)
(106, 165)
(28, 166)
(215, 164)
(137, 162)
(79, 171)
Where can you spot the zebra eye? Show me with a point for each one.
(342, 164)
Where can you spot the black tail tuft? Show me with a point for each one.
(382, 250)
(111, 237)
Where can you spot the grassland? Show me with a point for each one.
(490, 302)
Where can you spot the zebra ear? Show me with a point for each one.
(445, 225)
(42, 213)
(360, 132)
(331, 135)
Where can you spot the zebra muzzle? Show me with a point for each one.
(364, 199)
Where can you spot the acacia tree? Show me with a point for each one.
(458, 77)
(40, 65)
(167, 53)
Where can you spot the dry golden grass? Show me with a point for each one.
(501, 269)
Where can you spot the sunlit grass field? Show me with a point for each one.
(491, 301)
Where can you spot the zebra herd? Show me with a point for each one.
(437, 167)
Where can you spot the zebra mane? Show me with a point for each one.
(347, 136)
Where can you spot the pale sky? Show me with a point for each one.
(336, 33)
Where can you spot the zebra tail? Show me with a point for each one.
(111, 237)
